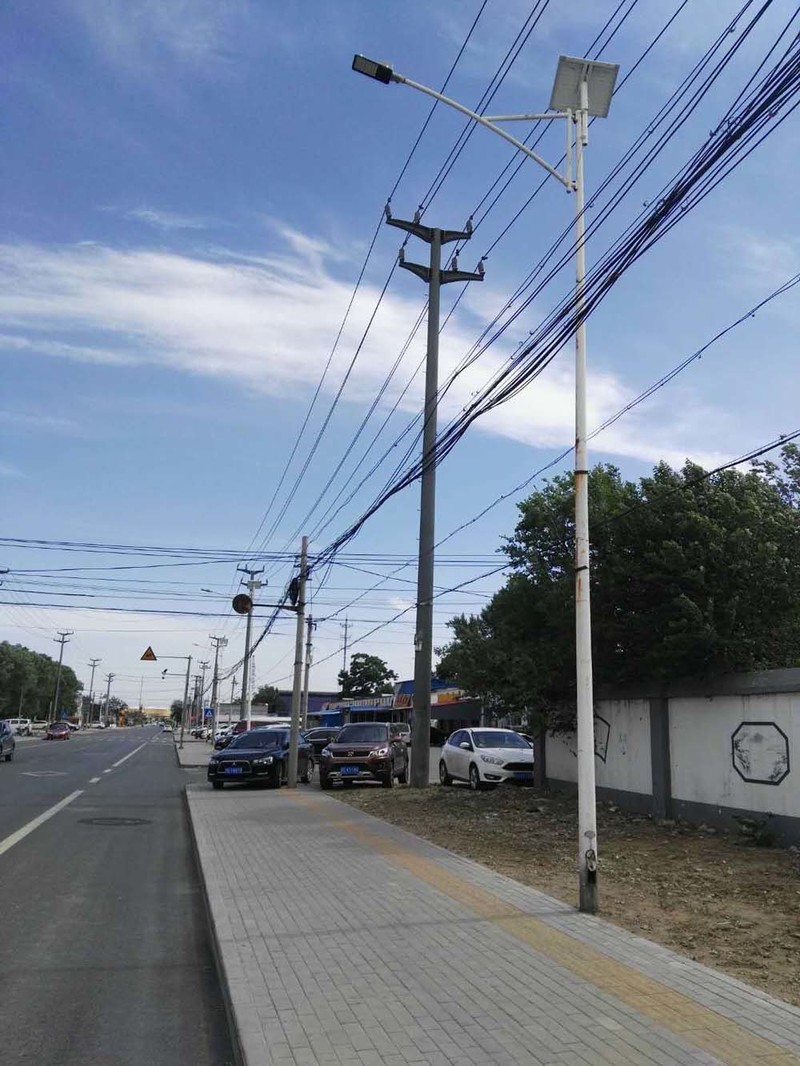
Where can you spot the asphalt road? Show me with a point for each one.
(105, 956)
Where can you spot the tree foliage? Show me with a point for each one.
(176, 710)
(267, 696)
(691, 575)
(28, 680)
(368, 676)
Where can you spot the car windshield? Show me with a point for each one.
(401, 727)
(485, 738)
(261, 738)
(362, 733)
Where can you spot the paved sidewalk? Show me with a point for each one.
(344, 940)
(194, 752)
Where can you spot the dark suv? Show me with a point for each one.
(364, 751)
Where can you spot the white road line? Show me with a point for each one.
(93, 780)
(106, 771)
(20, 834)
(119, 762)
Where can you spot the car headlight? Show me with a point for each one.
(492, 760)
(379, 753)
(325, 753)
(266, 761)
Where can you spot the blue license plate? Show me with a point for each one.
(350, 771)
(233, 770)
(523, 775)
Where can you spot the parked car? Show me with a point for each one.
(321, 736)
(8, 742)
(403, 730)
(485, 758)
(167, 727)
(22, 727)
(260, 755)
(364, 751)
(58, 731)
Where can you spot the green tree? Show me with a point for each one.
(691, 575)
(28, 682)
(267, 696)
(176, 710)
(368, 676)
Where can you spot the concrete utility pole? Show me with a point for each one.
(185, 694)
(345, 626)
(251, 584)
(61, 639)
(93, 663)
(297, 691)
(304, 703)
(423, 638)
(218, 642)
(109, 679)
(203, 668)
(234, 683)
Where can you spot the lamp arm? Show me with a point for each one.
(489, 125)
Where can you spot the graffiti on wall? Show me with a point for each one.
(760, 753)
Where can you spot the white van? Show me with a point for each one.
(23, 727)
(258, 721)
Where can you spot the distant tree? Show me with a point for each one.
(691, 575)
(368, 676)
(28, 682)
(176, 710)
(115, 705)
(267, 696)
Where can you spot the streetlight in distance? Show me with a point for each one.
(582, 88)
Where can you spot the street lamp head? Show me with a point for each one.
(600, 79)
(372, 69)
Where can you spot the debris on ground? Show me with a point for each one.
(710, 894)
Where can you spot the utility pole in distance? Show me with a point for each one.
(423, 637)
(304, 703)
(251, 584)
(298, 667)
(62, 639)
(203, 667)
(345, 626)
(218, 642)
(109, 679)
(93, 663)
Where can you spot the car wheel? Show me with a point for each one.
(217, 784)
(275, 779)
(474, 778)
(388, 780)
(325, 782)
(444, 777)
(305, 778)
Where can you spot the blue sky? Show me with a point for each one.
(188, 193)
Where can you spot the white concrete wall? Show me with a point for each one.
(625, 743)
(701, 732)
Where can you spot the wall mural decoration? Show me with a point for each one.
(760, 753)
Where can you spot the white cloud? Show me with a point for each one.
(269, 324)
(166, 220)
(11, 471)
(38, 421)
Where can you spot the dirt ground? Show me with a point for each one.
(712, 896)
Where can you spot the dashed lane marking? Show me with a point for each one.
(20, 834)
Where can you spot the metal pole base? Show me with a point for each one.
(587, 896)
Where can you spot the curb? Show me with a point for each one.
(238, 1052)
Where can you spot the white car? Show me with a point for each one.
(485, 758)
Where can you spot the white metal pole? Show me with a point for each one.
(297, 689)
(587, 815)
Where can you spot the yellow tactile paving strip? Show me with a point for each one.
(697, 1025)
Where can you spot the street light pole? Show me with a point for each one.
(203, 667)
(185, 694)
(582, 88)
(306, 677)
(252, 584)
(218, 642)
(423, 637)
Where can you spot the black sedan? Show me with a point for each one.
(321, 736)
(261, 755)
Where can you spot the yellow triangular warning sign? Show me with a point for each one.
(149, 656)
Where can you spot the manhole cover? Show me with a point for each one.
(115, 821)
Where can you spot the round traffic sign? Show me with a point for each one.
(242, 603)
